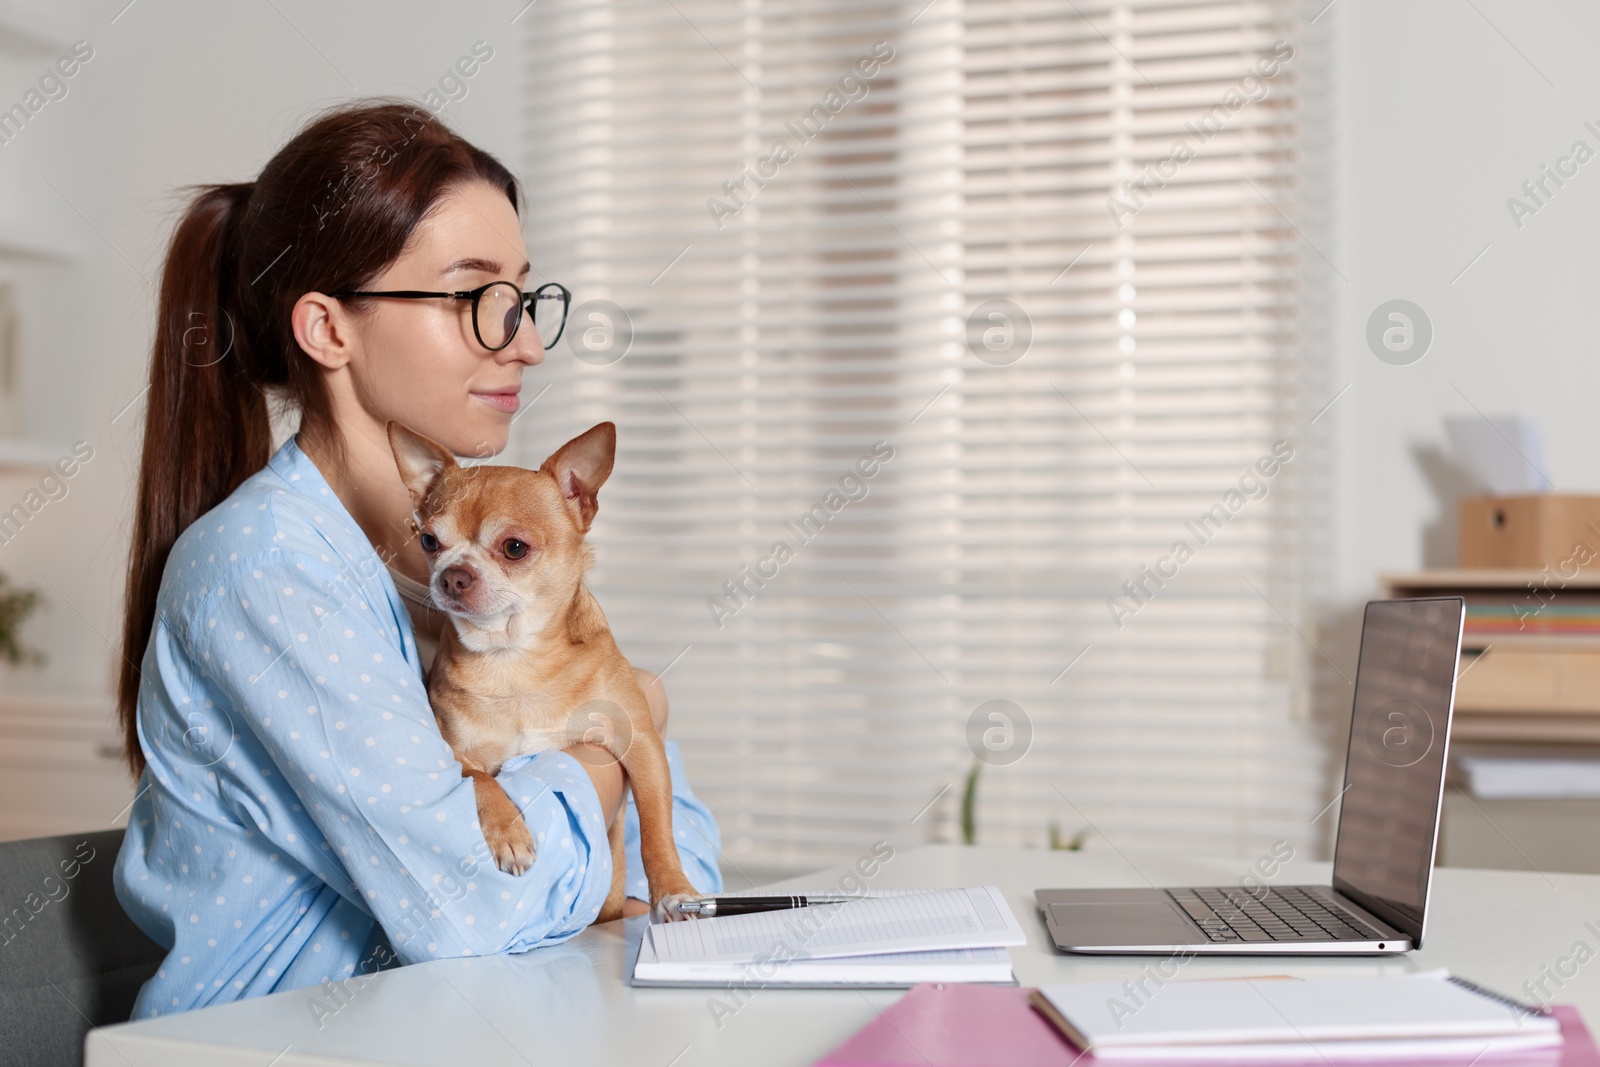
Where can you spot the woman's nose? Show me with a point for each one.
(526, 346)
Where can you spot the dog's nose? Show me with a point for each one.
(457, 580)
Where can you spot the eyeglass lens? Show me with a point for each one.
(500, 313)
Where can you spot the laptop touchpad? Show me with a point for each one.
(1121, 923)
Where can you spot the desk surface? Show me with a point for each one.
(570, 1004)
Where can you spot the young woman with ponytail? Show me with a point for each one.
(298, 818)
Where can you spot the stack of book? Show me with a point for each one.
(1572, 615)
(1411, 1020)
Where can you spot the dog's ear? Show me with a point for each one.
(421, 461)
(581, 467)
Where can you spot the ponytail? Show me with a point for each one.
(206, 423)
(331, 210)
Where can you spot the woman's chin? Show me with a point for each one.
(485, 437)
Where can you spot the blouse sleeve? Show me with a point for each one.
(299, 658)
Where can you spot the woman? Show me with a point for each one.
(299, 818)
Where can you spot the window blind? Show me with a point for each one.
(927, 346)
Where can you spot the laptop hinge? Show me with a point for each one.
(1367, 915)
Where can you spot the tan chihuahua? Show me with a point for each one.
(528, 663)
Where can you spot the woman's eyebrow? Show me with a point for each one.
(478, 263)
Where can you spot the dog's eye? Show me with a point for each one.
(429, 542)
(515, 549)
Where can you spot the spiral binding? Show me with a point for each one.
(1498, 998)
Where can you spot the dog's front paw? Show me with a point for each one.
(511, 844)
(665, 897)
(667, 907)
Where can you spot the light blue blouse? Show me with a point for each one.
(301, 820)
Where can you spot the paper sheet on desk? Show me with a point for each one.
(936, 919)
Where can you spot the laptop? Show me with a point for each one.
(1384, 845)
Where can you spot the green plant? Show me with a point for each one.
(1074, 845)
(15, 606)
(969, 806)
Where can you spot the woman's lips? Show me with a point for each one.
(500, 401)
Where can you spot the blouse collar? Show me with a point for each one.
(295, 467)
(303, 476)
(291, 463)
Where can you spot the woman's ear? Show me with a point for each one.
(322, 329)
(421, 460)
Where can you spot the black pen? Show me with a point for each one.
(706, 907)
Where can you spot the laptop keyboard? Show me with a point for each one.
(1289, 914)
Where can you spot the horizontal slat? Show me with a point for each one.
(830, 313)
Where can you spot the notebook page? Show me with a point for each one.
(1192, 1013)
(647, 955)
(935, 919)
(823, 891)
(895, 968)
(900, 969)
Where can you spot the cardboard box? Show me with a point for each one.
(1527, 532)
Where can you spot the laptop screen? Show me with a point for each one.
(1394, 771)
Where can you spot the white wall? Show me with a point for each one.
(179, 92)
(1440, 121)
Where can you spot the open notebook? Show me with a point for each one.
(893, 938)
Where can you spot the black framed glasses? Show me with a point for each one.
(497, 309)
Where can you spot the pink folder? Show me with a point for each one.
(953, 1025)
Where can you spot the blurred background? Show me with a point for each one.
(1079, 282)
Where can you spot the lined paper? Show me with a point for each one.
(903, 922)
(889, 969)
(1263, 1018)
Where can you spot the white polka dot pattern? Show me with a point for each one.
(300, 818)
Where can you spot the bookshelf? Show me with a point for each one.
(1528, 685)
(1530, 659)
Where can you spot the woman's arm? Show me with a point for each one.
(606, 774)
(300, 653)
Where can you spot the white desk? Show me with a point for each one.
(570, 1004)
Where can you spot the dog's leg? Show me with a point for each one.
(504, 830)
(646, 764)
(612, 908)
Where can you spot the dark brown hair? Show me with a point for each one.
(332, 210)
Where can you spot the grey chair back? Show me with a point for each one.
(70, 958)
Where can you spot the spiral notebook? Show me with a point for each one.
(893, 938)
(1270, 1019)
(994, 1026)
